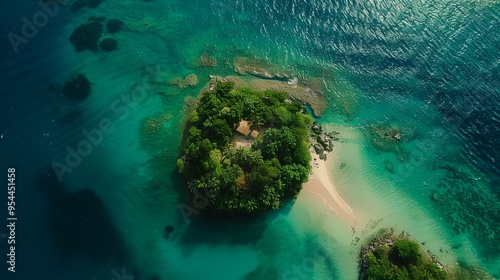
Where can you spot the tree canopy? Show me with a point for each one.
(246, 180)
(401, 261)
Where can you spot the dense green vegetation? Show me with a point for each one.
(399, 260)
(232, 180)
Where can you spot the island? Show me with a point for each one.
(388, 256)
(245, 150)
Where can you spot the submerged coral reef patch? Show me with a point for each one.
(114, 25)
(152, 130)
(80, 4)
(206, 60)
(258, 67)
(77, 88)
(191, 80)
(470, 207)
(86, 36)
(108, 44)
(390, 137)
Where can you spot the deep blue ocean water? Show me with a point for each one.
(430, 66)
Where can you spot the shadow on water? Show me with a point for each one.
(305, 266)
(80, 223)
(218, 229)
(214, 230)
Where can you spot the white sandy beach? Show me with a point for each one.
(320, 185)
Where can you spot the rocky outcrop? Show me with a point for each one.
(191, 80)
(206, 60)
(258, 67)
(322, 141)
(297, 91)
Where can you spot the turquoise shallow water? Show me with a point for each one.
(430, 68)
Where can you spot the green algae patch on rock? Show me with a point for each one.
(237, 81)
(77, 88)
(391, 137)
(86, 36)
(191, 80)
(153, 131)
(206, 60)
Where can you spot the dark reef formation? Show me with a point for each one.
(80, 4)
(77, 88)
(86, 36)
(167, 231)
(99, 19)
(114, 25)
(470, 207)
(108, 44)
(391, 138)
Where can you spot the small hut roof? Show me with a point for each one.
(243, 128)
(254, 133)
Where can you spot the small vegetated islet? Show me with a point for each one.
(390, 257)
(254, 178)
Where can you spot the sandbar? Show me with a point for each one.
(321, 186)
